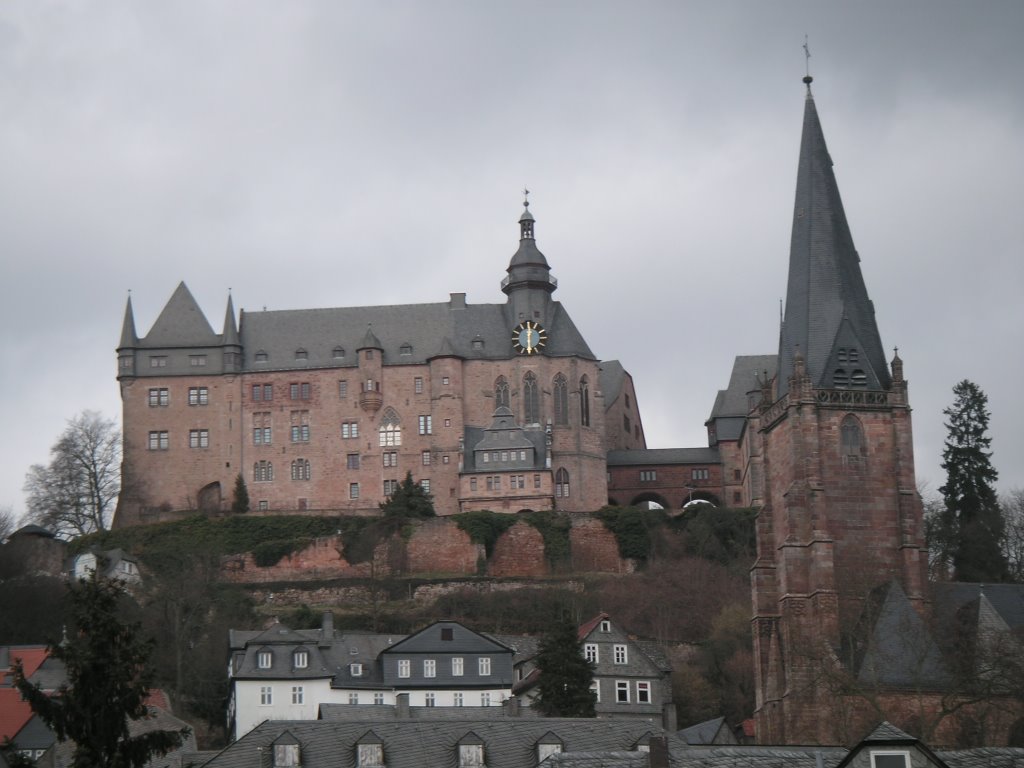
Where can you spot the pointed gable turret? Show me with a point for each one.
(231, 340)
(828, 316)
(529, 283)
(129, 341)
(181, 323)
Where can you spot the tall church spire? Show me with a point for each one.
(829, 318)
(129, 338)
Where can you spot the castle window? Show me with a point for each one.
(425, 458)
(352, 461)
(584, 402)
(159, 441)
(851, 440)
(626, 426)
(261, 357)
(417, 385)
(445, 381)
(390, 432)
(699, 474)
(606, 626)
(471, 755)
(300, 426)
(199, 438)
(457, 699)
(457, 666)
(349, 430)
(338, 352)
(859, 379)
(158, 361)
(390, 486)
(501, 393)
(353, 490)
(562, 484)
(262, 392)
(356, 670)
(561, 395)
(300, 469)
(390, 458)
(648, 475)
(485, 699)
(286, 755)
(353, 698)
(198, 395)
(531, 400)
(627, 401)
(301, 354)
(405, 350)
(484, 666)
(472, 483)
(430, 668)
(262, 472)
(197, 361)
(840, 378)
(261, 432)
(378, 699)
(159, 397)
(425, 425)
(425, 485)
(299, 390)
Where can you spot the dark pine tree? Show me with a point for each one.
(408, 502)
(972, 522)
(240, 502)
(108, 679)
(565, 675)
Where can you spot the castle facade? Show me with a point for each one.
(493, 406)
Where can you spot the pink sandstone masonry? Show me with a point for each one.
(439, 547)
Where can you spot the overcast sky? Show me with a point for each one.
(317, 154)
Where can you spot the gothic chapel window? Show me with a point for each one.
(531, 400)
(851, 440)
(584, 402)
(501, 393)
(561, 394)
(390, 429)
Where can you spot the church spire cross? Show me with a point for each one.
(807, 66)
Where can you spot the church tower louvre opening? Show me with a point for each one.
(832, 442)
(325, 411)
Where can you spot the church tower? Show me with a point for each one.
(841, 515)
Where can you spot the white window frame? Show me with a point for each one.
(298, 694)
(620, 653)
(622, 687)
(457, 699)
(471, 755)
(643, 692)
(404, 668)
(264, 660)
(905, 754)
(300, 659)
(353, 698)
(591, 652)
(595, 686)
(458, 666)
(483, 666)
(430, 699)
(266, 695)
(355, 669)
(429, 668)
(369, 755)
(606, 626)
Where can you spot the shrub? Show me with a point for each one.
(484, 527)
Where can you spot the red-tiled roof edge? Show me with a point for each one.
(588, 627)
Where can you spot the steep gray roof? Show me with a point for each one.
(662, 456)
(508, 743)
(1006, 599)
(746, 370)
(181, 324)
(463, 640)
(423, 327)
(612, 377)
(827, 304)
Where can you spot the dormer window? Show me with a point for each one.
(264, 660)
(606, 626)
(370, 755)
(405, 350)
(301, 354)
(890, 759)
(286, 752)
(338, 352)
(262, 357)
(547, 746)
(859, 379)
(840, 378)
(471, 751)
(356, 670)
(300, 659)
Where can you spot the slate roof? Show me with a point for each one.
(463, 640)
(180, 324)
(660, 456)
(610, 380)
(827, 304)
(380, 712)
(157, 720)
(509, 743)
(732, 404)
(1006, 599)
(598, 760)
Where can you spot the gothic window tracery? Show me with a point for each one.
(584, 402)
(390, 431)
(501, 393)
(561, 396)
(531, 400)
(562, 484)
(851, 440)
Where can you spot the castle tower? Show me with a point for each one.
(529, 283)
(841, 514)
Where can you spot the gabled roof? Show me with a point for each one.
(181, 324)
(15, 713)
(827, 304)
(463, 640)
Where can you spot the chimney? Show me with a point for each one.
(402, 706)
(512, 706)
(327, 628)
(457, 301)
(668, 717)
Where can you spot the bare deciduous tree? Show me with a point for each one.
(1013, 544)
(8, 522)
(75, 492)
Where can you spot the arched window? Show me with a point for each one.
(300, 469)
(390, 429)
(501, 393)
(584, 402)
(531, 400)
(561, 484)
(561, 393)
(840, 378)
(859, 378)
(851, 440)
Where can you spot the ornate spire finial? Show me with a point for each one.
(526, 198)
(807, 64)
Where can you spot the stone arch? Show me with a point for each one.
(699, 497)
(650, 496)
(209, 499)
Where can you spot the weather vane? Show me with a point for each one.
(526, 197)
(807, 57)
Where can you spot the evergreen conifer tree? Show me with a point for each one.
(240, 502)
(108, 680)
(972, 525)
(409, 501)
(565, 675)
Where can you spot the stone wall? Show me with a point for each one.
(440, 547)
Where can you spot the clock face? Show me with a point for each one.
(528, 338)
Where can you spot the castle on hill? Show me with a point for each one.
(505, 407)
